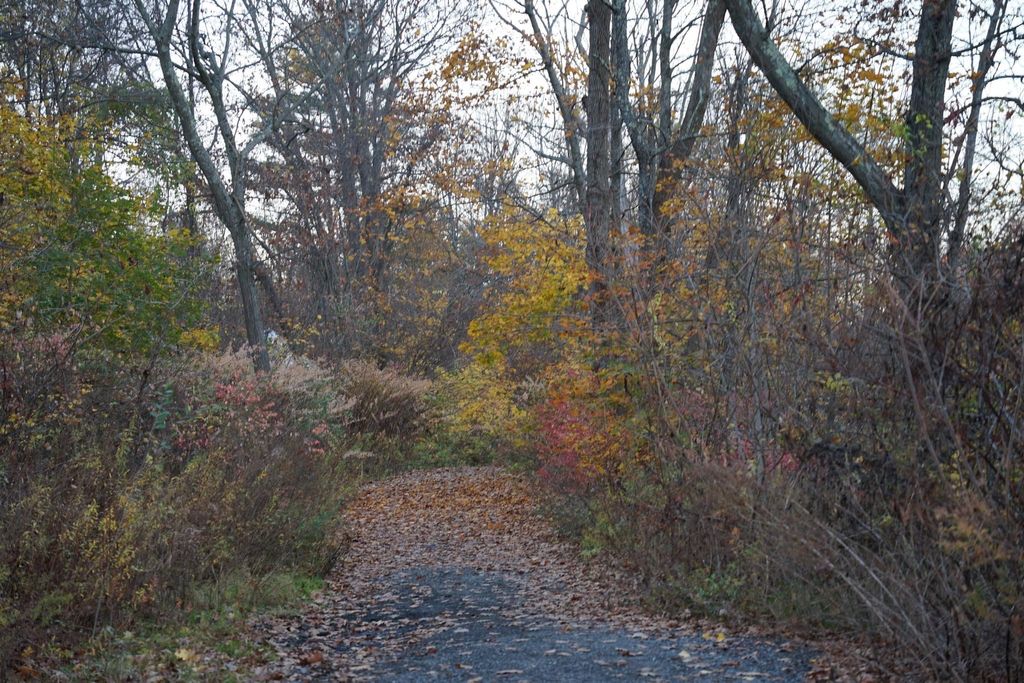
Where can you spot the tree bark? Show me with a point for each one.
(923, 176)
(660, 151)
(970, 137)
(916, 214)
(597, 207)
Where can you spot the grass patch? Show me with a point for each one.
(208, 639)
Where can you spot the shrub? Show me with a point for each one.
(384, 402)
(129, 485)
(856, 549)
(480, 408)
(581, 437)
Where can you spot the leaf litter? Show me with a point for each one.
(451, 574)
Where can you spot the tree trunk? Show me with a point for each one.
(672, 161)
(915, 215)
(923, 176)
(254, 330)
(227, 203)
(597, 207)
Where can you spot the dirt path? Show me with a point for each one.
(452, 576)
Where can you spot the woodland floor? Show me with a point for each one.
(452, 575)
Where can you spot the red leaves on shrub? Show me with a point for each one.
(579, 441)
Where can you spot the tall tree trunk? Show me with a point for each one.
(641, 134)
(915, 215)
(672, 161)
(566, 104)
(598, 201)
(923, 176)
(245, 272)
(821, 124)
(660, 151)
(228, 203)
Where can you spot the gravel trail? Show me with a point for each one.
(452, 576)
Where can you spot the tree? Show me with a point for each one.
(228, 192)
(351, 176)
(925, 226)
(660, 139)
(597, 201)
(661, 146)
(77, 261)
(917, 216)
(54, 54)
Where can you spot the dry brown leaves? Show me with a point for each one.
(480, 518)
